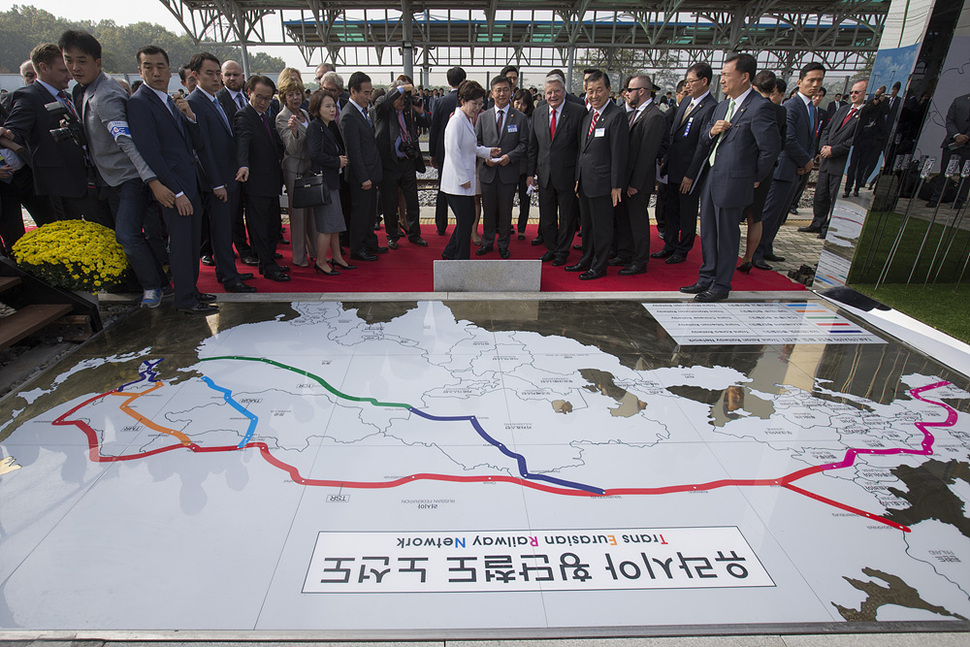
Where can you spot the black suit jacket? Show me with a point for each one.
(443, 109)
(646, 140)
(958, 122)
(259, 149)
(388, 129)
(166, 141)
(324, 150)
(218, 155)
(840, 138)
(685, 157)
(58, 167)
(225, 98)
(364, 157)
(553, 160)
(601, 165)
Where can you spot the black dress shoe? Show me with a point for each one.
(548, 256)
(745, 267)
(761, 265)
(616, 261)
(203, 297)
(391, 243)
(279, 277)
(445, 257)
(632, 269)
(676, 258)
(590, 275)
(378, 250)
(363, 256)
(521, 236)
(245, 276)
(711, 295)
(250, 260)
(809, 230)
(697, 288)
(558, 262)
(442, 232)
(200, 309)
(577, 268)
(420, 242)
(504, 252)
(774, 259)
(855, 193)
(484, 249)
(845, 195)
(240, 287)
(207, 260)
(277, 255)
(578, 246)
(663, 253)
(537, 241)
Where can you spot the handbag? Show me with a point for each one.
(310, 191)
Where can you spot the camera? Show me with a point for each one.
(70, 127)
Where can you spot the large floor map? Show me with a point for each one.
(440, 468)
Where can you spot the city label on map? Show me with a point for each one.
(533, 560)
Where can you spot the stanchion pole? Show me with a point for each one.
(924, 173)
(902, 161)
(952, 227)
(951, 169)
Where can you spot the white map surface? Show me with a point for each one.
(212, 484)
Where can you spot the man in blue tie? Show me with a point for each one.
(221, 194)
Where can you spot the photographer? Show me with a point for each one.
(55, 153)
(398, 112)
(122, 172)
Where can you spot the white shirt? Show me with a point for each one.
(461, 151)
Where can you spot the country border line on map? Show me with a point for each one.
(227, 396)
(147, 374)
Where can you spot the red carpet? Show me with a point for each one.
(409, 269)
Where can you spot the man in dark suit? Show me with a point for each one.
(835, 144)
(870, 138)
(166, 133)
(443, 109)
(503, 127)
(600, 174)
(647, 130)
(744, 143)
(259, 151)
(797, 159)
(52, 168)
(553, 148)
(955, 144)
(232, 97)
(221, 193)
(397, 140)
(683, 165)
(364, 169)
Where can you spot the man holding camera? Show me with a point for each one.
(398, 112)
(103, 107)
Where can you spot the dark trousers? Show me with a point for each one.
(497, 213)
(219, 215)
(720, 241)
(263, 220)
(184, 240)
(405, 179)
(863, 161)
(826, 192)
(596, 216)
(87, 206)
(660, 208)
(19, 191)
(239, 239)
(459, 247)
(441, 212)
(558, 211)
(681, 219)
(524, 203)
(138, 231)
(775, 214)
(633, 229)
(362, 218)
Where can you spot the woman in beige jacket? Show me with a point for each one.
(291, 123)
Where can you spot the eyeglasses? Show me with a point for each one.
(632, 89)
(856, 92)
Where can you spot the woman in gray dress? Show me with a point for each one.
(327, 154)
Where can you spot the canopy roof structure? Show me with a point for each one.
(843, 34)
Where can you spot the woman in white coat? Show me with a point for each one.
(458, 172)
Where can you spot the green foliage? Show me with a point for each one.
(942, 306)
(22, 28)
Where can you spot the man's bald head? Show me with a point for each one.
(27, 72)
(232, 76)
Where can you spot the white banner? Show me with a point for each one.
(543, 560)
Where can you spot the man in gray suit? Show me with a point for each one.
(956, 143)
(744, 143)
(501, 126)
(834, 151)
(797, 159)
(647, 130)
(364, 170)
(552, 166)
(102, 104)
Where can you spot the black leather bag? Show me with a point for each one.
(310, 191)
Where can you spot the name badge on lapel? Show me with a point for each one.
(599, 132)
(512, 128)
